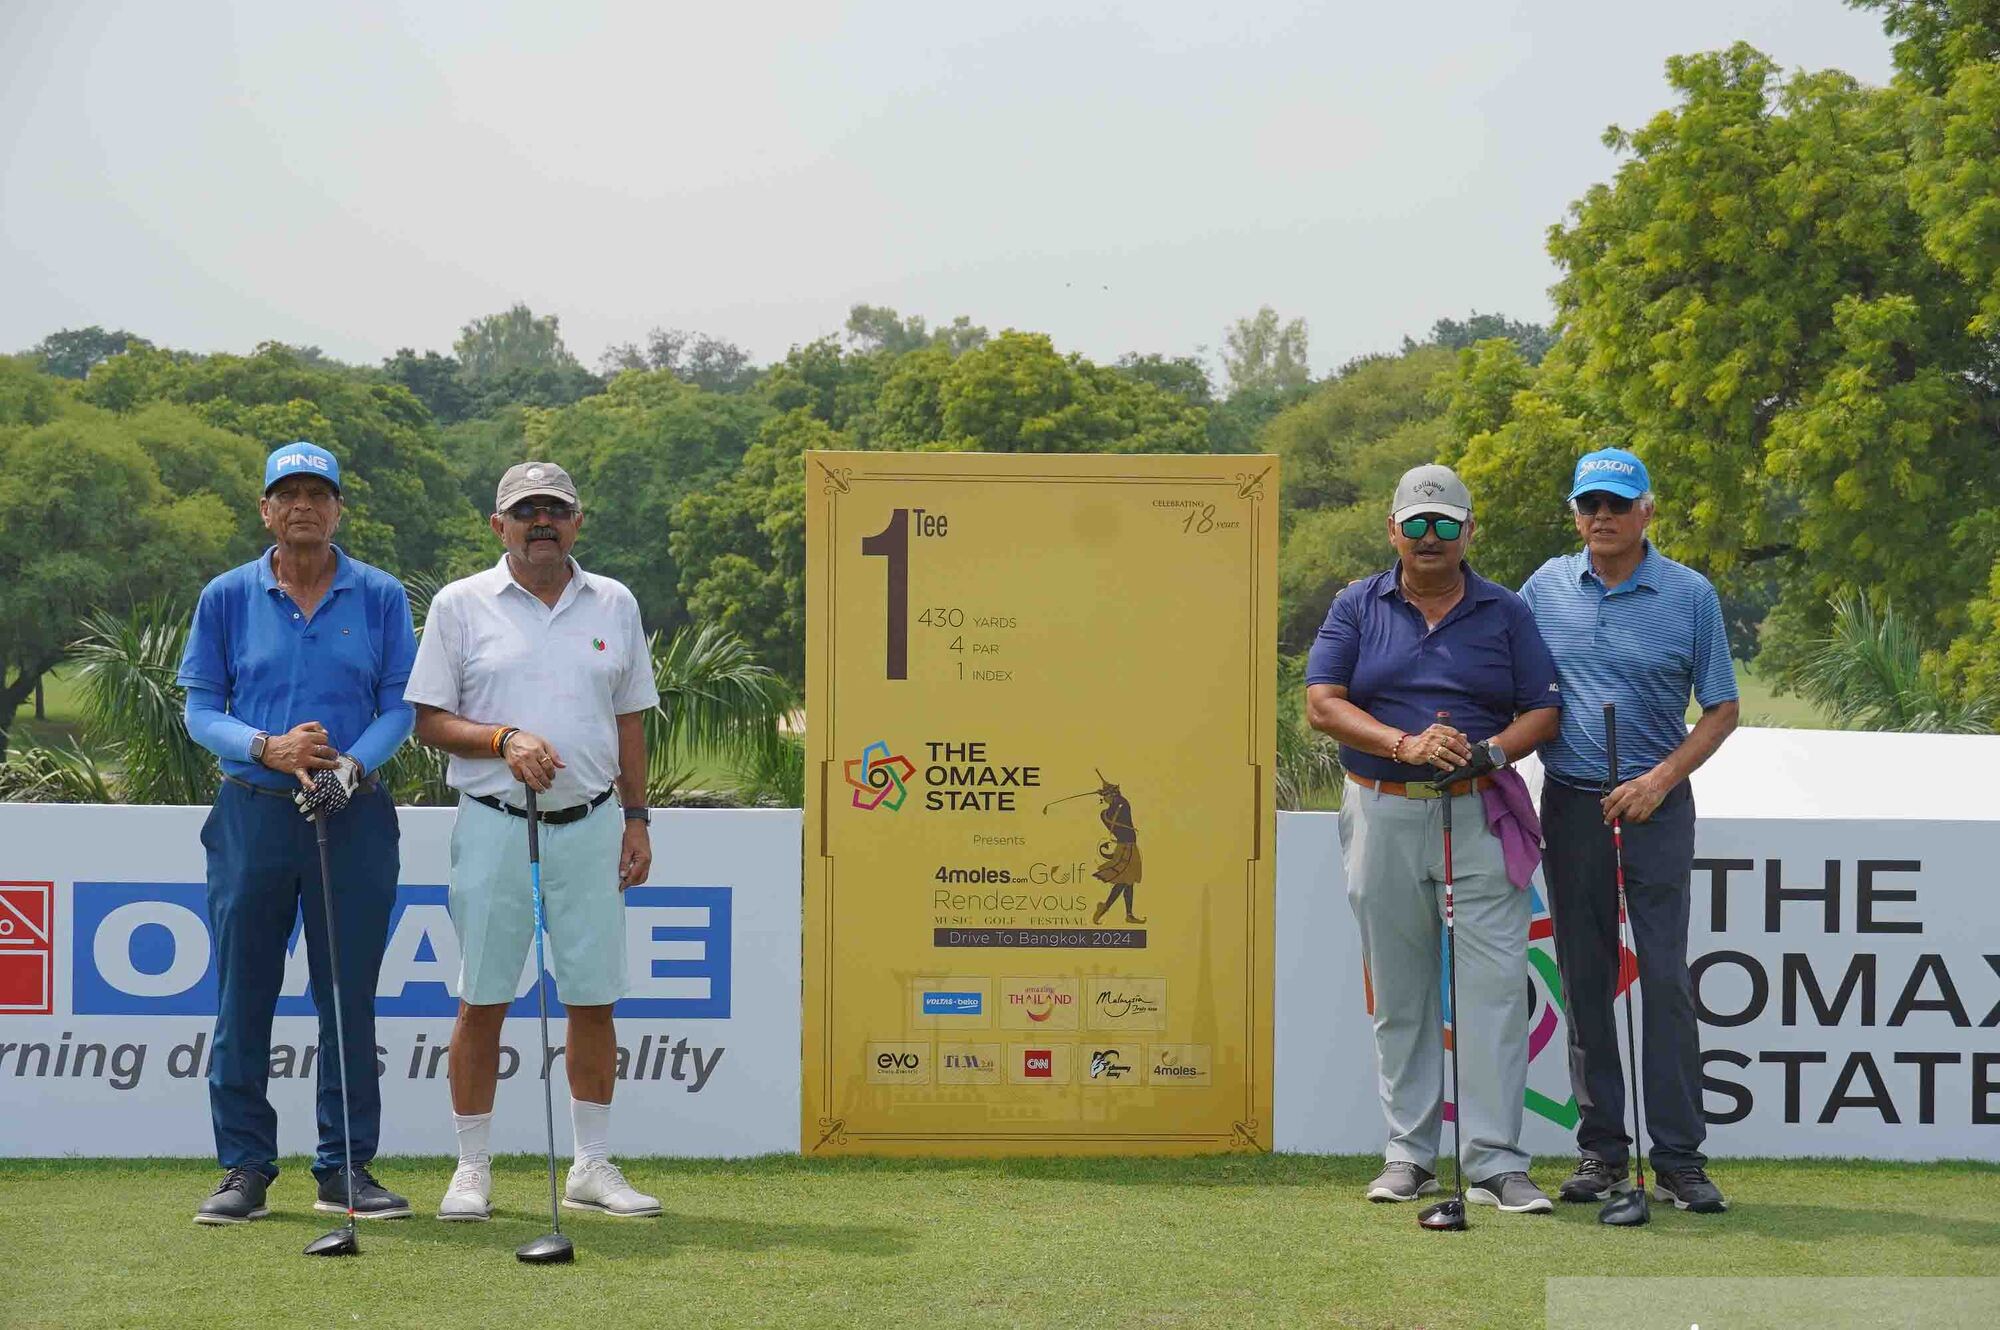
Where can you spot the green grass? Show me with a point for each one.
(1272, 1240)
(1761, 705)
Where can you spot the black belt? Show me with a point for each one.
(561, 817)
(366, 785)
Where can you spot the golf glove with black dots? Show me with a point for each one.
(333, 789)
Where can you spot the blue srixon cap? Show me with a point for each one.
(1611, 469)
(301, 459)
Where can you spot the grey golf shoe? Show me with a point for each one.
(237, 1200)
(1512, 1193)
(1689, 1189)
(1594, 1180)
(1402, 1181)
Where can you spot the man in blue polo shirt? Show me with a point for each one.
(1413, 667)
(1628, 625)
(295, 664)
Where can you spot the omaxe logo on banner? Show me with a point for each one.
(27, 947)
(144, 949)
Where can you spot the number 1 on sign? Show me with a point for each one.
(893, 542)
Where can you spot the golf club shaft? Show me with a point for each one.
(1625, 941)
(1451, 986)
(339, 1028)
(542, 1001)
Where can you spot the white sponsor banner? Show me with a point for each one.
(107, 993)
(1848, 973)
(1847, 981)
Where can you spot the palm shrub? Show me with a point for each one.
(715, 701)
(126, 664)
(38, 773)
(1308, 772)
(1869, 673)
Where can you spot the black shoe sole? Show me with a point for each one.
(335, 1208)
(220, 1221)
(1580, 1197)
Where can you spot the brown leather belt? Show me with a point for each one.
(1420, 789)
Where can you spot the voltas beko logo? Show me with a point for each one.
(27, 948)
(879, 778)
(144, 949)
(954, 1004)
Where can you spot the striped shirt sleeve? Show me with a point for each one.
(1714, 671)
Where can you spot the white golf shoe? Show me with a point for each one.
(470, 1195)
(596, 1184)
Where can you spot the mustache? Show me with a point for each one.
(541, 533)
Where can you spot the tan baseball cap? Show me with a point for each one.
(1431, 489)
(526, 480)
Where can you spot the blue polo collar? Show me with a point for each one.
(1478, 589)
(1646, 575)
(343, 571)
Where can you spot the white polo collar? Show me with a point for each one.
(502, 578)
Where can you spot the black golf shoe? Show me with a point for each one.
(1689, 1189)
(372, 1200)
(238, 1200)
(1402, 1181)
(1594, 1180)
(1512, 1192)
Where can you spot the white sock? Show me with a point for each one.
(474, 1130)
(592, 1125)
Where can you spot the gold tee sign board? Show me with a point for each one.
(1039, 866)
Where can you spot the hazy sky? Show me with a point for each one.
(1127, 177)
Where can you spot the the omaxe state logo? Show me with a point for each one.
(879, 778)
(27, 948)
(144, 949)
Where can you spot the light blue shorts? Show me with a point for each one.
(493, 910)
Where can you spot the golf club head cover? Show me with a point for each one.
(332, 789)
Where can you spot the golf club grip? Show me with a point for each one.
(1611, 744)
(534, 828)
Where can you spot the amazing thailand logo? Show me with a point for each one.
(880, 779)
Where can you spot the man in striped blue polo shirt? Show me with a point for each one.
(1630, 626)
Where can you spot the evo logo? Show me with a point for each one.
(954, 1004)
(144, 949)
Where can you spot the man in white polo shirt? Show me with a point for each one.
(535, 673)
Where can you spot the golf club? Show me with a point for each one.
(1631, 1208)
(1448, 1216)
(342, 1241)
(552, 1248)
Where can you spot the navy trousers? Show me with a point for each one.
(263, 866)
(1583, 898)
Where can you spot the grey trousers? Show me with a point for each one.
(1395, 882)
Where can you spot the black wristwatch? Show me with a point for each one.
(644, 815)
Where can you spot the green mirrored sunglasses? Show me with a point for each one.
(1447, 528)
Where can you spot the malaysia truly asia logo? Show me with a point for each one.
(880, 778)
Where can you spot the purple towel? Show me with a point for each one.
(1510, 815)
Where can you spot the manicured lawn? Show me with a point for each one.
(1272, 1240)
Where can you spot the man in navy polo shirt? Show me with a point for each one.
(1628, 625)
(295, 664)
(1413, 667)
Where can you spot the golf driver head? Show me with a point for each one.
(340, 1242)
(549, 1249)
(1627, 1209)
(1447, 1216)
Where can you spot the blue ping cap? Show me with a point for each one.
(1611, 469)
(301, 459)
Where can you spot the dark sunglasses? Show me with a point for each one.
(558, 510)
(1447, 528)
(1588, 504)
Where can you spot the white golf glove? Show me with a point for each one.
(332, 789)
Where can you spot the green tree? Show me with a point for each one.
(1870, 673)
(491, 345)
(1183, 376)
(1017, 394)
(716, 700)
(1532, 340)
(74, 352)
(85, 523)
(1937, 38)
(635, 451)
(872, 328)
(711, 363)
(127, 665)
(1260, 352)
(436, 381)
